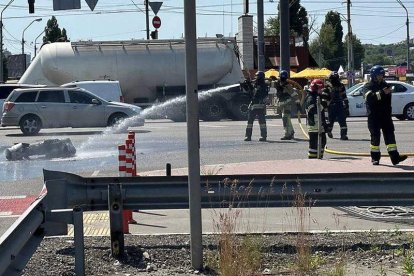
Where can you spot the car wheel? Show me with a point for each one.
(409, 111)
(30, 125)
(116, 118)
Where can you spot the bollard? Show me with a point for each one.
(127, 214)
(131, 136)
(121, 160)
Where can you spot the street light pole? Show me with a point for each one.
(35, 48)
(408, 36)
(24, 58)
(1, 41)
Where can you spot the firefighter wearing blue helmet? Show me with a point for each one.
(286, 96)
(377, 94)
(338, 108)
(257, 107)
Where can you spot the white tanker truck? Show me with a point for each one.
(149, 72)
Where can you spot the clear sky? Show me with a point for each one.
(373, 21)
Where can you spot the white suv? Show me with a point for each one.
(52, 107)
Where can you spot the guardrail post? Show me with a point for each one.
(168, 169)
(116, 208)
(79, 241)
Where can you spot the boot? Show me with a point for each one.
(375, 162)
(343, 137)
(262, 139)
(330, 135)
(400, 159)
(248, 139)
(288, 137)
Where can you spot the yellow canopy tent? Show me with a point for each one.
(274, 73)
(311, 73)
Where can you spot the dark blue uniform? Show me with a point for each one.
(379, 111)
(338, 108)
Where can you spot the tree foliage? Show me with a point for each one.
(298, 20)
(328, 46)
(53, 33)
(385, 54)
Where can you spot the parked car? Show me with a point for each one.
(51, 107)
(7, 88)
(402, 100)
(109, 90)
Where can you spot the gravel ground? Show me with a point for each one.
(367, 253)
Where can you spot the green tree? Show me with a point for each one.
(334, 19)
(53, 33)
(358, 50)
(298, 19)
(324, 47)
(329, 43)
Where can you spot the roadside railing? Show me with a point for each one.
(69, 195)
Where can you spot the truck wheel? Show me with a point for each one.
(116, 118)
(409, 111)
(177, 112)
(240, 108)
(212, 109)
(30, 125)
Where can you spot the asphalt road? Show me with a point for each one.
(162, 141)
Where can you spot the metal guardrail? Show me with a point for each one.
(68, 195)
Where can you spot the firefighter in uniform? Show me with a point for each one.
(316, 128)
(338, 108)
(257, 107)
(377, 94)
(286, 96)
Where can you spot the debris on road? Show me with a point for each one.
(50, 148)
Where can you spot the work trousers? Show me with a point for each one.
(313, 145)
(336, 112)
(260, 114)
(375, 125)
(287, 121)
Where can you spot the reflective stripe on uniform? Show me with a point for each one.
(249, 126)
(378, 94)
(262, 125)
(258, 106)
(367, 93)
(375, 148)
(391, 147)
(344, 127)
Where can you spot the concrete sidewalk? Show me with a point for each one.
(260, 219)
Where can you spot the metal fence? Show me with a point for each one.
(69, 195)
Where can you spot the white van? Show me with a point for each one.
(109, 90)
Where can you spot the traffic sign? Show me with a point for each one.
(155, 6)
(91, 4)
(156, 22)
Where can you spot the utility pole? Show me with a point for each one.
(147, 18)
(260, 36)
(284, 36)
(408, 37)
(350, 50)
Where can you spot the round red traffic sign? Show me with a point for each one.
(156, 22)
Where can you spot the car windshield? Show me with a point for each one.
(354, 87)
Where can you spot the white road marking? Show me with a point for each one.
(95, 173)
(12, 197)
